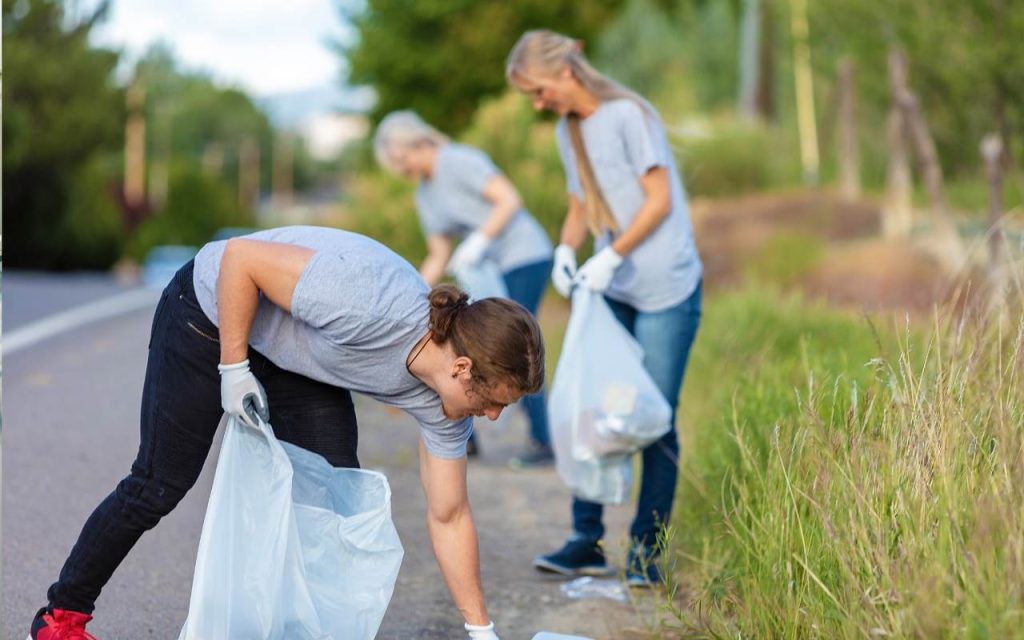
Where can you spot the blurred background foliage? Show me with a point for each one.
(65, 110)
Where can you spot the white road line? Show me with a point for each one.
(58, 323)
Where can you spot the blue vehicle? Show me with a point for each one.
(162, 262)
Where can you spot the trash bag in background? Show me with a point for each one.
(603, 405)
(481, 280)
(291, 547)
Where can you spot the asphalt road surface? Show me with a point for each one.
(70, 432)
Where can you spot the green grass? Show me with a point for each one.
(843, 482)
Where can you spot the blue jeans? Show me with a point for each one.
(526, 286)
(180, 413)
(666, 337)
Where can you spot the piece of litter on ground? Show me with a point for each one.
(588, 587)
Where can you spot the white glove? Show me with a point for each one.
(469, 252)
(241, 394)
(596, 273)
(481, 632)
(564, 270)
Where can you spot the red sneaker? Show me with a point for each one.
(59, 624)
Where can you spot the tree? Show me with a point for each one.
(965, 59)
(62, 113)
(440, 57)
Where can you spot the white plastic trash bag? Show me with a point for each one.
(603, 404)
(482, 280)
(292, 548)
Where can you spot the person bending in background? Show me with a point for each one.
(462, 195)
(282, 325)
(625, 189)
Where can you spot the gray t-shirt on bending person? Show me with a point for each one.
(357, 311)
(452, 203)
(624, 143)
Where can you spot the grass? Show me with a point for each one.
(844, 482)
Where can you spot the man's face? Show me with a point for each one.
(461, 399)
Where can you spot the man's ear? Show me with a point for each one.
(462, 367)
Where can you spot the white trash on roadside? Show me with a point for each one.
(603, 405)
(589, 587)
(291, 547)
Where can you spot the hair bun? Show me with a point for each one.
(446, 301)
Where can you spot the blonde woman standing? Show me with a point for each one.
(462, 196)
(625, 189)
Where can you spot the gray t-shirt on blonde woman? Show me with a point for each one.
(357, 311)
(452, 203)
(624, 143)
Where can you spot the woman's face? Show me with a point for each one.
(410, 161)
(556, 93)
(461, 399)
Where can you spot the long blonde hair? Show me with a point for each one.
(401, 130)
(549, 53)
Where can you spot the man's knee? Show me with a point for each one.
(146, 500)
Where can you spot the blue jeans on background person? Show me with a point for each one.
(666, 337)
(526, 286)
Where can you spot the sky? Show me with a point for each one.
(266, 47)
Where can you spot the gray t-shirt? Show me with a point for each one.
(624, 143)
(452, 203)
(357, 311)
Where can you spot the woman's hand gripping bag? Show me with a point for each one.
(603, 405)
(291, 547)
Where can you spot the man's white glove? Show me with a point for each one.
(564, 270)
(470, 252)
(481, 632)
(596, 273)
(241, 394)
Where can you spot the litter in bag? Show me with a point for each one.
(603, 404)
(292, 548)
(481, 280)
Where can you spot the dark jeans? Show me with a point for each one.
(666, 337)
(180, 413)
(526, 286)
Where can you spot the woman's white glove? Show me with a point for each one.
(470, 252)
(241, 394)
(596, 273)
(564, 270)
(481, 632)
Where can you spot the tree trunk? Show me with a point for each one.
(750, 25)
(849, 170)
(897, 215)
(135, 148)
(804, 92)
(282, 174)
(951, 248)
(248, 173)
(765, 97)
(992, 154)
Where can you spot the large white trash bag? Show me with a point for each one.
(291, 548)
(482, 280)
(603, 404)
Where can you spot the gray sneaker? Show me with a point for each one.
(534, 455)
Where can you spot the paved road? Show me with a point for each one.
(70, 433)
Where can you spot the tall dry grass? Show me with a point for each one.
(882, 497)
